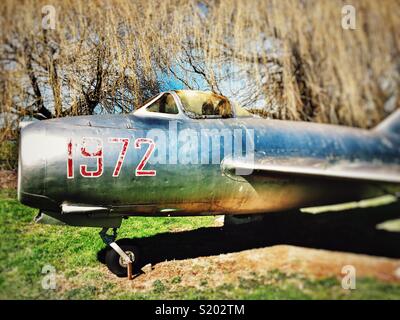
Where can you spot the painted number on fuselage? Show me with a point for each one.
(121, 158)
(139, 169)
(98, 155)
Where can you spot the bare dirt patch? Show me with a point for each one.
(230, 268)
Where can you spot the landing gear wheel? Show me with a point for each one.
(117, 265)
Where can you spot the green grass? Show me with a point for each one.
(275, 286)
(25, 247)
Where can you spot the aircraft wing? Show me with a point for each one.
(313, 167)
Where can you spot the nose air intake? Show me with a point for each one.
(31, 163)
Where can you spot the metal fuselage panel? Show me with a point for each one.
(181, 188)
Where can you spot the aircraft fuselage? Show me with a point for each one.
(133, 165)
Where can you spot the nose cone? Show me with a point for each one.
(31, 163)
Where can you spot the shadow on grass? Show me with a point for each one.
(349, 231)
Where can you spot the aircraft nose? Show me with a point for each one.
(31, 163)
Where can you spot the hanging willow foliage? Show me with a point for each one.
(290, 58)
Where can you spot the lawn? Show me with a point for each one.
(26, 247)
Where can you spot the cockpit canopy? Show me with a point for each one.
(195, 104)
(200, 104)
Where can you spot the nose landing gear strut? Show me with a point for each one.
(122, 256)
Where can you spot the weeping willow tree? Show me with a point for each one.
(290, 59)
(100, 54)
(300, 60)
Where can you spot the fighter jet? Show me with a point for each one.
(192, 153)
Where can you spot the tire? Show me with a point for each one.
(114, 261)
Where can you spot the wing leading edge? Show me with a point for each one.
(340, 169)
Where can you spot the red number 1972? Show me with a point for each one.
(98, 155)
